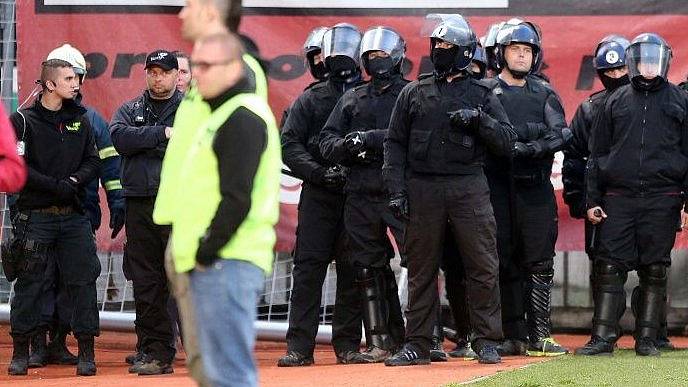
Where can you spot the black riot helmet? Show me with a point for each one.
(453, 29)
(340, 47)
(480, 59)
(387, 40)
(490, 44)
(648, 59)
(311, 48)
(523, 33)
(610, 53)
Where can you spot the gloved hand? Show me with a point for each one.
(530, 149)
(205, 256)
(355, 142)
(116, 221)
(330, 177)
(465, 119)
(65, 189)
(398, 204)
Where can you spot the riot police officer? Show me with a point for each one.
(320, 226)
(609, 62)
(353, 136)
(433, 171)
(636, 172)
(522, 194)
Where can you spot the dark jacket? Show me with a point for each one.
(577, 152)
(368, 110)
(640, 144)
(108, 175)
(422, 141)
(301, 130)
(58, 145)
(138, 134)
(538, 119)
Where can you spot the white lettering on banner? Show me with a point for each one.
(406, 4)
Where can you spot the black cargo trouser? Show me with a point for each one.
(144, 265)
(464, 201)
(366, 220)
(320, 239)
(638, 231)
(72, 250)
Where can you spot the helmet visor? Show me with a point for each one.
(648, 60)
(341, 41)
(382, 39)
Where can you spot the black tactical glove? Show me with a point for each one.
(521, 150)
(355, 142)
(116, 221)
(65, 189)
(398, 204)
(465, 119)
(330, 177)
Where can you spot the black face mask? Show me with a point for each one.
(611, 84)
(639, 82)
(380, 67)
(443, 59)
(318, 71)
(341, 67)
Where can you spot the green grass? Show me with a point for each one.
(624, 369)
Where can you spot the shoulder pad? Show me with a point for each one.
(597, 95)
(318, 87)
(425, 75)
(491, 84)
(311, 85)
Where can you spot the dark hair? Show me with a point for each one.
(49, 70)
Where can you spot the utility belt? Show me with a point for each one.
(55, 210)
(21, 254)
(530, 178)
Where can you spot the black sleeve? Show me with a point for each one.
(129, 139)
(600, 144)
(295, 141)
(90, 160)
(34, 179)
(238, 145)
(332, 135)
(553, 139)
(396, 143)
(495, 129)
(575, 160)
(375, 140)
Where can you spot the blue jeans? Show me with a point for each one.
(225, 296)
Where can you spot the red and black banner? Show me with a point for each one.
(116, 35)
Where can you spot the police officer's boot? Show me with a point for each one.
(57, 349)
(371, 283)
(609, 300)
(539, 310)
(86, 365)
(437, 353)
(20, 356)
(39, 352)
(662, 341)
(653, 280)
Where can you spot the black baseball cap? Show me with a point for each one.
(163, 59)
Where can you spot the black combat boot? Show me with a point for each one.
(539, 310)
(86, 365)
(39, 352)
(609, 298)
(57, 349)
(20, 356)
(653, 281)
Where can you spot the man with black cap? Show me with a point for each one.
(140, 131)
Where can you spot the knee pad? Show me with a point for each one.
(655, 274)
